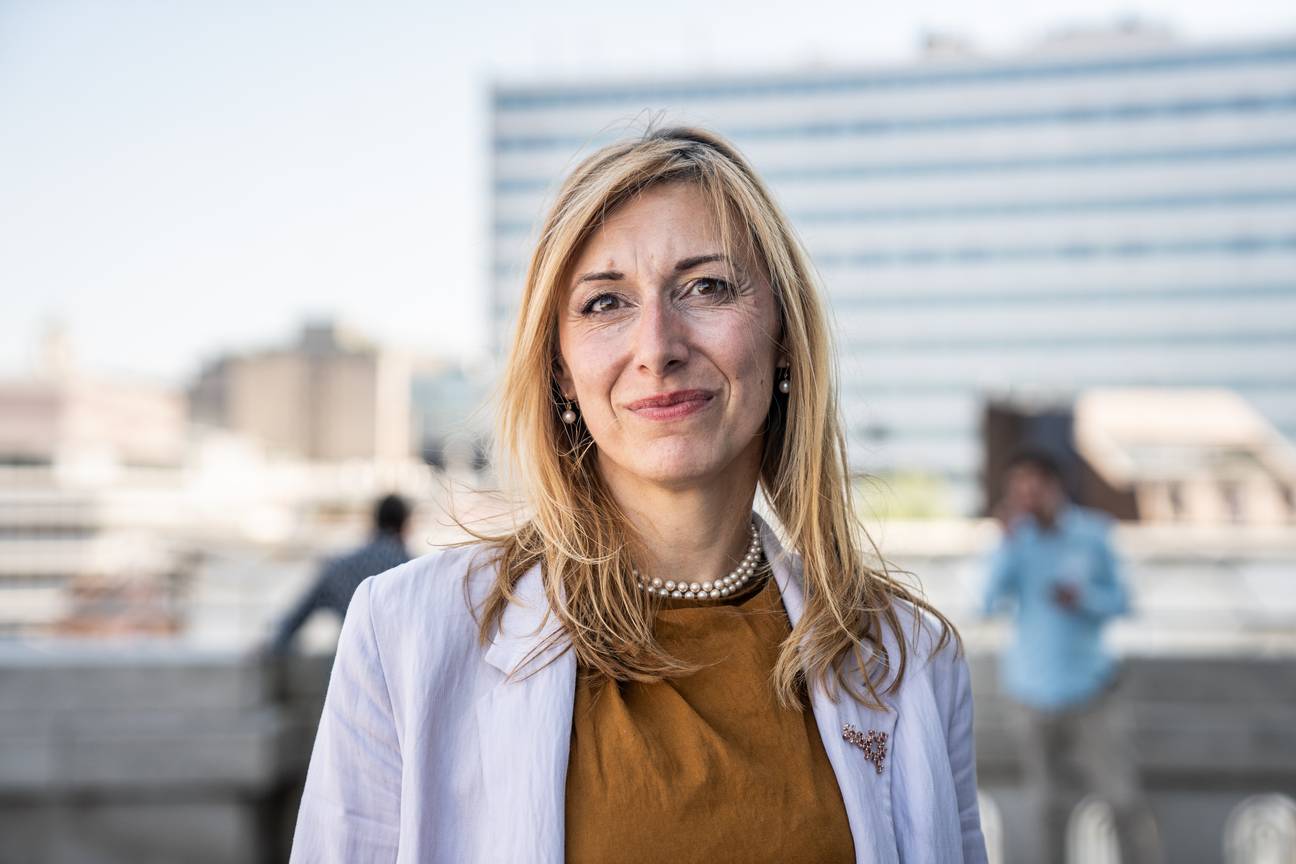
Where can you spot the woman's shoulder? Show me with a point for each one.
(413, 628)
(933, 650)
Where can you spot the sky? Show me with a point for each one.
(179, 179)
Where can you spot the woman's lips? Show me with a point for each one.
(671, 406)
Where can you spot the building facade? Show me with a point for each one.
(332, 396)
(1102, 211)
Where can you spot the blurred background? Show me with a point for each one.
(259, 264)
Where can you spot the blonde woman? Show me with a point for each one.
(643, 671)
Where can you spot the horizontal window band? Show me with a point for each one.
(1038, 296)
(856, 390)
(1018, 164)
(999, 342)
(518, 99)
(1011, 209)
(1239, 245)
(1118, 112)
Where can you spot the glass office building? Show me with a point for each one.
(1098, 212)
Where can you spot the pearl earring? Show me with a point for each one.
(569, 415)
(785, 383)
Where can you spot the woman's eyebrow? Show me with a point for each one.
(680, 266)
(600, 276)
(698, 260)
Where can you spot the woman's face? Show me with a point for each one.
(668, 348)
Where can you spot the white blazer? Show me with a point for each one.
(428, 751)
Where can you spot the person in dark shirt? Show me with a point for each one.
(340, 577)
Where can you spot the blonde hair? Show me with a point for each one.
(575, 529)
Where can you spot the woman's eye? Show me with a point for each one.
(710, 287)
(601, 303)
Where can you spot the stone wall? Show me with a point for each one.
(154, 754)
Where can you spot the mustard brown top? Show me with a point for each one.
(706, 767)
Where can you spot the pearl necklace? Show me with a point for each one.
(730, 584)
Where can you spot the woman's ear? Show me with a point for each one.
(563, 379)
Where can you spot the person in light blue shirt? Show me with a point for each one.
(1056, 568)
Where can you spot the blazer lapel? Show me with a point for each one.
(865, 791)
(524, 727)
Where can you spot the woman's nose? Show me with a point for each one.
(661, 343)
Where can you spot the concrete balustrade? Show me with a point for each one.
(158, 753)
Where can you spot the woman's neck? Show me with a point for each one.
(698, 533)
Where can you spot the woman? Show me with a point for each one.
(640, 671)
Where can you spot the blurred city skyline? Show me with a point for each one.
(259, 265)
(183, 182)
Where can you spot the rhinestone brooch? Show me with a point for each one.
(874, 745)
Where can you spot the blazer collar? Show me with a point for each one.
(527, 623)
(524, 724)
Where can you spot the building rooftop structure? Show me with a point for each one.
(1197, 456)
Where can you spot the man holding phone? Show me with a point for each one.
(1056, 566)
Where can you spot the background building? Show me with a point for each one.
(63, 415)
(451, 417)
(1112, 209)
(121, 517)
(331, 396)
(87, 466)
